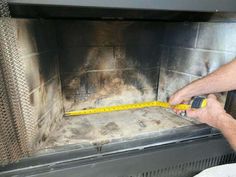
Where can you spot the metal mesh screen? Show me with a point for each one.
(17, 125)
(4, 10)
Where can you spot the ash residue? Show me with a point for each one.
(109, 128)
(112, 127)
(108, 77)
(114, 93)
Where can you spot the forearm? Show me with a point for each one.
(223, 79)
(227, 125)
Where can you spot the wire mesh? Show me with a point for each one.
(17, 125)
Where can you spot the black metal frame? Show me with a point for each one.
(102, 13)
(185, 158)
(180, 5)
(167, 152)
(178, 135)
(230, 105)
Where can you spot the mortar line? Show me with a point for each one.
(108, 70)
(37, 53)
(200, 49)
(186, 74)
(125, 69)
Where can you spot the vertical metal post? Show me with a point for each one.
(230, 105)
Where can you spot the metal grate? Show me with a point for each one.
(4, 10)
(16, 120)
(189, 168)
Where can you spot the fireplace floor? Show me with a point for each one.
(103, 128)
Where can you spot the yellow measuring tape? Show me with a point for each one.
(127, 107)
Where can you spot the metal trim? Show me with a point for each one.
(72, 152)
(134, 162)
(179, 5)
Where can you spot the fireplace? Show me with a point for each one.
(56, 62)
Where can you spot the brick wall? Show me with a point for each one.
(93, 53)
(194, 50)
(38, 49)
(97, 59)
(94, 56)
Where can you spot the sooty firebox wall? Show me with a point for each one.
(104, 63)
(110, 63)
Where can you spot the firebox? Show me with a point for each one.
(66, 56)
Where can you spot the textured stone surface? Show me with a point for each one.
(35, 36)
(143, 33)
(108, 33)
(44, 97)
(196, 62)
(140, 56)
(45, 35)
(114, 127)
(26, 37)
(93, 57)
(40, 68)
(106, 63)
(217, 36)
(88, 33)
(96, 56)
(82, 59)
(180, 34)
(169, 82)
(103, 84)
(37, 42)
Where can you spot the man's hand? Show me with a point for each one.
(179, 97)
(214, 115)
(218, 81)
(210, 114)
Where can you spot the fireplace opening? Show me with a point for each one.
(79, 64)
(76, 64)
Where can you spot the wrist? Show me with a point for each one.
(224, 120)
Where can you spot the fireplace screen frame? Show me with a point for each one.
(197, 132)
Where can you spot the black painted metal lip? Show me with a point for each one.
(70, 153)
(179, 5)
(208, 150)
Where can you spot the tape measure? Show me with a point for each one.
(198, 102)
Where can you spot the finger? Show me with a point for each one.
(176, 111)
(212, 96)
(192, 113)
(172, 100)
(179, 112)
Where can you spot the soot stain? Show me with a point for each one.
(145, 113)
(83, 129)
(109, 128)
(99, 145)
(44, 137)
(157, 122)
(207, 65)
